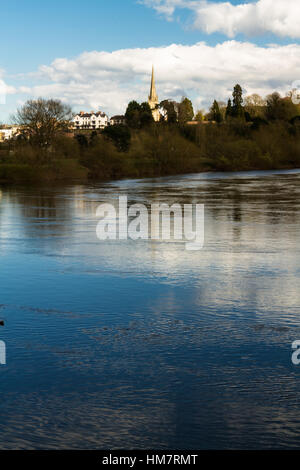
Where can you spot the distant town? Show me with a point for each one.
(90, 120)
(168, 110)
(98, 120)
(82, 121)
(47, 142)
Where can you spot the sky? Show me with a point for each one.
(98, 55)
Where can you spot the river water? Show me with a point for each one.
(143, 344)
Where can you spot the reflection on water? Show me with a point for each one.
(143, 344)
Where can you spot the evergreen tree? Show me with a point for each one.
(229, 109)
(185, 111)
(215, 112)
(237, 109)
(132, 114)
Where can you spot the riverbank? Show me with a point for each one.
(22, 174)
(161, 150)
(57, 171)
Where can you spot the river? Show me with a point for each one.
(144, 344)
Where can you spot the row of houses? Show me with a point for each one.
(94, 121)
(82, 120)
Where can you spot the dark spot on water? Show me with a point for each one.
(278, 329)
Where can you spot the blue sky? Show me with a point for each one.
(35, 34)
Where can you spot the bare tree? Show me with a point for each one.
(254, 105)
(42, 120)
(199, 116)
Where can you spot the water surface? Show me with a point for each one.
(124, 344)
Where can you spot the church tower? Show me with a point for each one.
(153, 99)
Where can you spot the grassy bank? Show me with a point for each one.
(62, 170)
(159, 150)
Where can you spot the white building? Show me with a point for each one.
(8, 132)
(90, 120)
(117, 120)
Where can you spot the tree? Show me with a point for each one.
(279, 108)
(199, 116)
(237, 108)
(42, 120)
(169, 110)
(255, 105)
(82, 141)
(228, 109)
(254, 100)
(132, 114)
(222, 108)
(146, 117)
(215, 112)
(185, 111)
(93, 138)
(138, 115)
(120, 135)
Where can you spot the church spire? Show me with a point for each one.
(153, 99)
(153, 95)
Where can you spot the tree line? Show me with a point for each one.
(249, 109)
(242, 134)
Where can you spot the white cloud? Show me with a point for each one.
(5, 89)
(280, 17)
(109, 80)
(165, 7)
